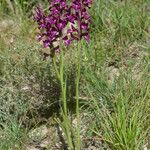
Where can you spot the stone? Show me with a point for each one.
(38, 133)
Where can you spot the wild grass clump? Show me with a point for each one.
(121, 110)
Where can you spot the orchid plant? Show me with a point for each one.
(65, 23)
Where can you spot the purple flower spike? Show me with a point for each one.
(72, 17)
(81, 19)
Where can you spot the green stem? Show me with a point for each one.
(77, 95)
(63, 105)
(55, 67)
(64, 99)
(63, 84)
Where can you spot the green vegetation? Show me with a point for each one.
(114, 95)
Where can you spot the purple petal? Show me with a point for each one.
(84, 26)
(57, 49)
(46, 43)
(67, 41)
(86, 37)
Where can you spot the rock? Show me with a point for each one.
(113, 73)
(38, 133)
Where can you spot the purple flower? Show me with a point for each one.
(72, 17)
(81, 19)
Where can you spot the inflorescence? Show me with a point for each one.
(65, 22)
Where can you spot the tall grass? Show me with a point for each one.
(121, 111)
(19, 8)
